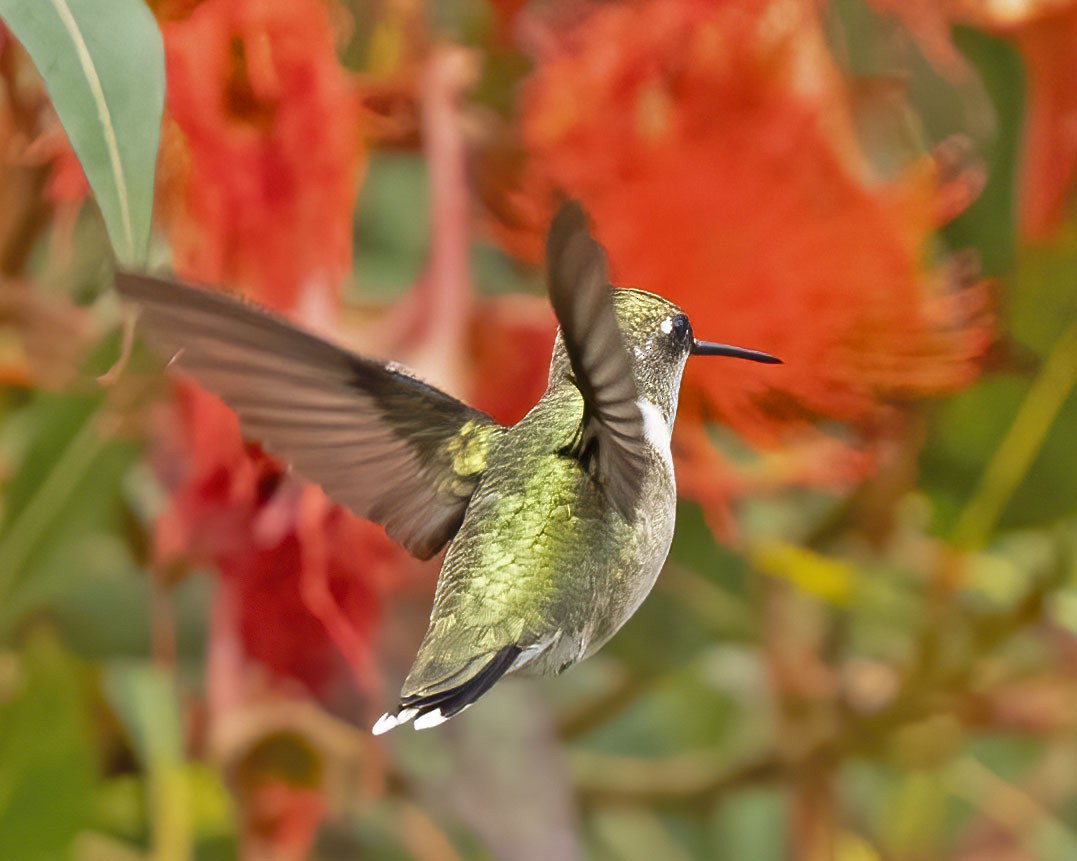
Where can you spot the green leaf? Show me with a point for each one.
(48, 769)
(628, 833)
(751, 825)
(103, 65)
(915, 813)
(990, 223)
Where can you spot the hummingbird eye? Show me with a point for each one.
(681, 330)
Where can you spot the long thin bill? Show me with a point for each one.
(708, 348)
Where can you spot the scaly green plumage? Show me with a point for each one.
(541, 559)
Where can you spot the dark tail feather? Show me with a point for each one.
(453, 700)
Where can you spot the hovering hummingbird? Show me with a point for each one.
(557, 526)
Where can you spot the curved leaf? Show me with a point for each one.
(103, 65)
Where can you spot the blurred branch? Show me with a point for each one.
(1012, 459)
(930, 673)
(429, 326)
(424, 839)
(604, 708)
(637, 834)
(701, 779)
(22, 222)
(1017, 809)
(695, 779)
(991, 631)
(813, 812)
(712, 605)
(869, 508)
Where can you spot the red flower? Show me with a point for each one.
(1049, 165)
(261, 197)
(260, 185)
(67, 182)
(510, 342)
(305, 580)
(713, 145)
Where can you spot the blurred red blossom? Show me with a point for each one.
(699, 134)
(715, 147)
(260, 187)
(304, 580)
(261, 183)
(1045, 33)
(259, 170)
(1049, 164)
(299, 598)
(281, 819)
(67, 182)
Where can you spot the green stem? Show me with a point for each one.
(145, 699)
(1022, 443)
(47, 503)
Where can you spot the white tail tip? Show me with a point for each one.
(387, 721)
(430, 720)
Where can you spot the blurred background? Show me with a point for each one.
(863, 644)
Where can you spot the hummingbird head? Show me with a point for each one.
(659, 339)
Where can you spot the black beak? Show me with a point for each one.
(707, 348)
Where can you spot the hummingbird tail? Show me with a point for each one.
(436, 708)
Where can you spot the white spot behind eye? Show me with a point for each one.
(667, 326)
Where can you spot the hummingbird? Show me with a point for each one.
(557, 527)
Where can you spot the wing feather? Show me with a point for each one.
(378, 441)
(583, 301)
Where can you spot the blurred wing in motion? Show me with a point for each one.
(386, 445)
(583, 301)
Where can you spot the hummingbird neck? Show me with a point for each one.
(661, 394)
(655, 385)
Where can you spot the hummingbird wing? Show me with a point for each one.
(380, 442)
(582, 299)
